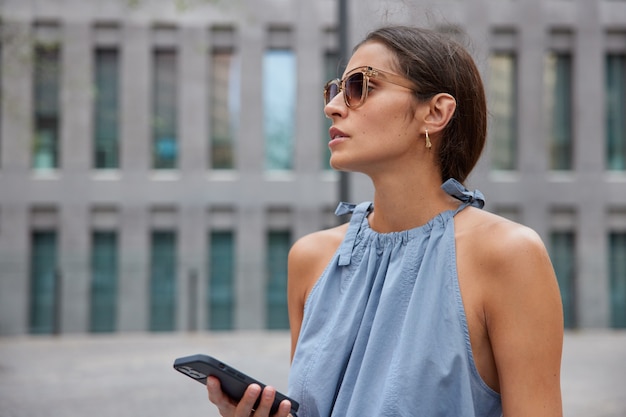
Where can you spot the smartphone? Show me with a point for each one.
(233, 382)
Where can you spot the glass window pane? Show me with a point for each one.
(617, 278)
(558, 80)
(503, 107)
(225, 107)
(616, 112)
(103, 281)
(563, 259)
(43, 282)
(163, 281)
(165, 143)
(221, 281)
(46, 117)
(277, 250)
(106, 108)
(279, 103)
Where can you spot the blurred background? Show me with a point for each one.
(159, 157)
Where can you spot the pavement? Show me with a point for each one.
(131, 375)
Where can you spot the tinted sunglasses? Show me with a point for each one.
(355, 85)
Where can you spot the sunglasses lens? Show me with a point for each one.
(354, 88)
(331, 90)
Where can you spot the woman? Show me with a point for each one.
(423, 305)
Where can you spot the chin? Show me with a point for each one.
(337, 166)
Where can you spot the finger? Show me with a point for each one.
(246, 404)
(215, 390)
(224, 404)
(284, 408)
(267, 399)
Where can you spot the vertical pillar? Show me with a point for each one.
(134, 283)
(135, 87)
(74, 268)
(76, 132)
(14, 270)
(191, 260)
(250, 154)
(193, 96)
(250, 271)
(593, 288)
(17, 97)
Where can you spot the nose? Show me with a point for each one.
(336, 106)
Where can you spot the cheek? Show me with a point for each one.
(388, 122)
(389, 127)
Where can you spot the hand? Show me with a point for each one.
(229, 408)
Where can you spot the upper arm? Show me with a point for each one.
(307, 260)
(524, 321)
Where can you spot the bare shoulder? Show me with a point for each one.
(317, 246)
(497, 243)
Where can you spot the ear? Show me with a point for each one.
(440, 110)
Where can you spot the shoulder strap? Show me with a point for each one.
(358, 214)
(468, 198)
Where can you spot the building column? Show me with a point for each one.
(593, 288)
(135, 86)
(17, 97)
(76, 130)
(191, 257)
(134, 283)
(250, 143)
(592, 279)
(193, 97)
(14, 269)
(74, 268)
(250, 275)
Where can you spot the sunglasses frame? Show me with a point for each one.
(368, 72)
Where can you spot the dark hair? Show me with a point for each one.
(438, 64)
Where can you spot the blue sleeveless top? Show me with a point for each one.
(384, 331)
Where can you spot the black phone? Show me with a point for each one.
(233, 382)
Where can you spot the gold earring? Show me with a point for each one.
(428, 144)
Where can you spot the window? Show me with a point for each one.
(278, 244)
(44, 283)
(617, 278)
(46, 117)
(279, 102)
(616, 112)
(103, 282)
(164, 129)
(225, 107)
(558, 86)
(221, 280)
(106, 109)
(503, 107)
(163, 281)
(562, 244)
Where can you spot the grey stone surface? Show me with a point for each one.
(130, 375)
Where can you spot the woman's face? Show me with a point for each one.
(384, 132)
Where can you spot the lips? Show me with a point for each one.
(335, 133)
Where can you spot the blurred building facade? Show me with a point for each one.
(159, 157)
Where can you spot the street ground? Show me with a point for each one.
(131, 375)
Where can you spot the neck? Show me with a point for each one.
(406, 201)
